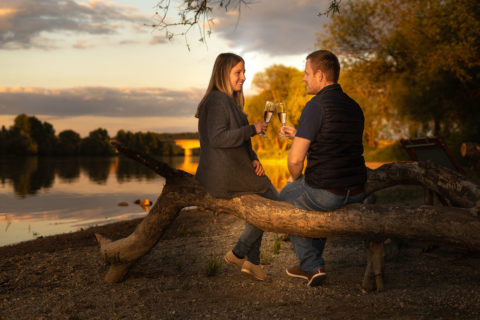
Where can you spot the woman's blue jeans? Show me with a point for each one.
(248, 245)
(309, 250)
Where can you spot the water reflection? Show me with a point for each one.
(28, 175)
(189, 164)
(128, 170)
(97, 169)
(68, 169)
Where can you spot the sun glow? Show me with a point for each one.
(7, 11)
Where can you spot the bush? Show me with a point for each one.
(394, 152)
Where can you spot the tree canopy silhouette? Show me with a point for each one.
(29, 136)
(419, 58)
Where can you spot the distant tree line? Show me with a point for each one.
(30, 136)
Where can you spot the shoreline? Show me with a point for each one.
(70, 240)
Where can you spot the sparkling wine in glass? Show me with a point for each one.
(282, 113)
(268, 113)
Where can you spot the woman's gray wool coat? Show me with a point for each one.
(225, 168)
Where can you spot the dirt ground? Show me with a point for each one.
(61, 277)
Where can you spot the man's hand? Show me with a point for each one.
(288, 132)
(257, 166)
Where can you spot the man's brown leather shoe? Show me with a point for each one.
(296, 272)
(316, 278)
(254, 270)
(313, 279)
(232, 259)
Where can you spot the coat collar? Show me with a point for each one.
(330, 87)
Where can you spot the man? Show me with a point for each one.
(329, 135)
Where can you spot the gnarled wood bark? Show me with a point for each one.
(470, 151)
(373, 277)
(454, 226)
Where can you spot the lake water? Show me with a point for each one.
(47, 196)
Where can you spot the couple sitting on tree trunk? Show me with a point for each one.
(329, 135)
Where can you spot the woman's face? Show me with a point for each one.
(237, 76)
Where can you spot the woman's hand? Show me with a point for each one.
(260, 126)
(288, 132)
(257, 166)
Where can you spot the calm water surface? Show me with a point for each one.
(46, 196)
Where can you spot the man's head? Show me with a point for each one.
(322, 69)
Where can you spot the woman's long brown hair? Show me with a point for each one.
(220, 79)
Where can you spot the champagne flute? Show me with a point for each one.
(268, 113)
(282, 114)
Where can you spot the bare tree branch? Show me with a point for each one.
(333, 8)
(191, 13)
(199, 13)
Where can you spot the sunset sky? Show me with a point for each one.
(82, 65)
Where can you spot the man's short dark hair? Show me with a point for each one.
(327, 62)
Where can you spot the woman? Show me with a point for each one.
(228, 166)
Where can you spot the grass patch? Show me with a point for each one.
(265, 258)
(213, 266)
(179, 266)
(182, 231)
(277, 244)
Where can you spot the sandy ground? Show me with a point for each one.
(61, 277)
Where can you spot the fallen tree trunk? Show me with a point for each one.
(454, 226)
(470, 151)
(445, 182)
(446, 225)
